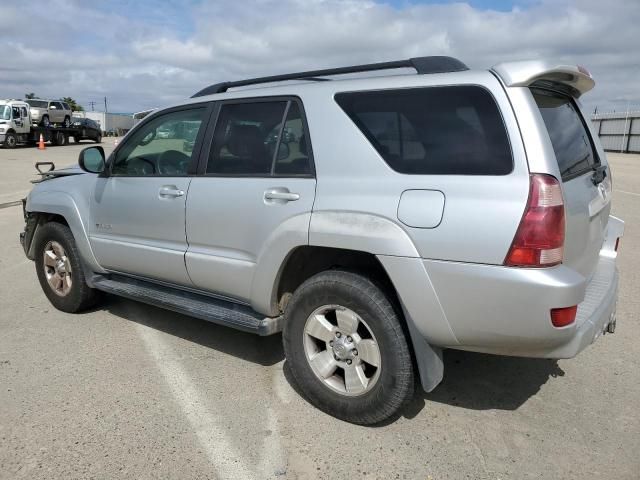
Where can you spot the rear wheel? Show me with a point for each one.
(60, 139)
(99, 139)
(66, 122)
(347, 349)
(45, 121)
(60, 271)
(10, 140)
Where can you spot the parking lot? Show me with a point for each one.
(131, 391)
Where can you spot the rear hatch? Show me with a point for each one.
(586, 179)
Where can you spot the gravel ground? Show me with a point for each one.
(131, 391)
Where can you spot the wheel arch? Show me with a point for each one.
(60, 206)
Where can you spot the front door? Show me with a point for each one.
(254, 198)
(138, 210)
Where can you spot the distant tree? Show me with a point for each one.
(75, 106)
(29, 96)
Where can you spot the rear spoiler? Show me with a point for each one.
(572, 78)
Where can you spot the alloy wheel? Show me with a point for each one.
(342, 350)
(57, 268)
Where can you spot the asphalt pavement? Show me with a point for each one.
(131, 391)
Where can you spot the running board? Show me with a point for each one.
(195, 305)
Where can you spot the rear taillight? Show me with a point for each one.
(539, 240)
(561, 317)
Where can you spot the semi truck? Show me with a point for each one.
(17, 127)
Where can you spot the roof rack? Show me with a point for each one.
(422, 65)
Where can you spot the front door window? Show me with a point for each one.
(162, 147)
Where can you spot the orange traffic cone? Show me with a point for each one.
(41, 143)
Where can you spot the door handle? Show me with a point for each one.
(171, 192)
(279, 195)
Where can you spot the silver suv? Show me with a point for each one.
(47, 112)
(375, 221)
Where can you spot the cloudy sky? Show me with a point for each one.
(146, 53)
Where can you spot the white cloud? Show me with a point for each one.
(141, 61)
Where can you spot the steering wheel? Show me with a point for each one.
(173, 162)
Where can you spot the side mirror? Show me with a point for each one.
(92, 160)
(53, 107)
(283, 151)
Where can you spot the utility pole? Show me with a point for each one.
(93, 104)
(105, 105)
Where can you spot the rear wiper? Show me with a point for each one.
(599, 174)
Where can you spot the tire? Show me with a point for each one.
(77, 139)
(388, 387)
(45, 121)
(10, 140)
(73, 296)
(60, 139)
(99, 139)
(66, 122)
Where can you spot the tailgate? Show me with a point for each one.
(587, 196)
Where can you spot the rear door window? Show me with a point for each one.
(245, 138)
(568, 133)
(433, 130)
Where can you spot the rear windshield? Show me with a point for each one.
(433, 130)
(569, 136)
(37, 103)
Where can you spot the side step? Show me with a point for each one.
(195, 305)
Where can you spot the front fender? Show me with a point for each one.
(61, 203)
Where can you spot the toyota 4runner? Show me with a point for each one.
(375, 221)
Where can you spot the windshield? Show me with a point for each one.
(37, 103)
(5, 112)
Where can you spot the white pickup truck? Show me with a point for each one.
(17, 127)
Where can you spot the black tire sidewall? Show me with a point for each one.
(395, 384)
(76, 299)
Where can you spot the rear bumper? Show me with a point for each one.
(506, 311)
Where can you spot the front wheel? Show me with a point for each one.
(10, 140)
(60, 271)
(346, 348)
(67, 122)
(99, 139)
(45, 121)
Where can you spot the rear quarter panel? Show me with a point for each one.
(481, 213)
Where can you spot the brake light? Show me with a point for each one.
(539, 240)
(561, 317)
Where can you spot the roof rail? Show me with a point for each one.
(422, 65)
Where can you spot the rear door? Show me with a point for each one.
(254, 195)
(587, 202)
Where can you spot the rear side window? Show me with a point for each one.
(433, 130)
(568, 133)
